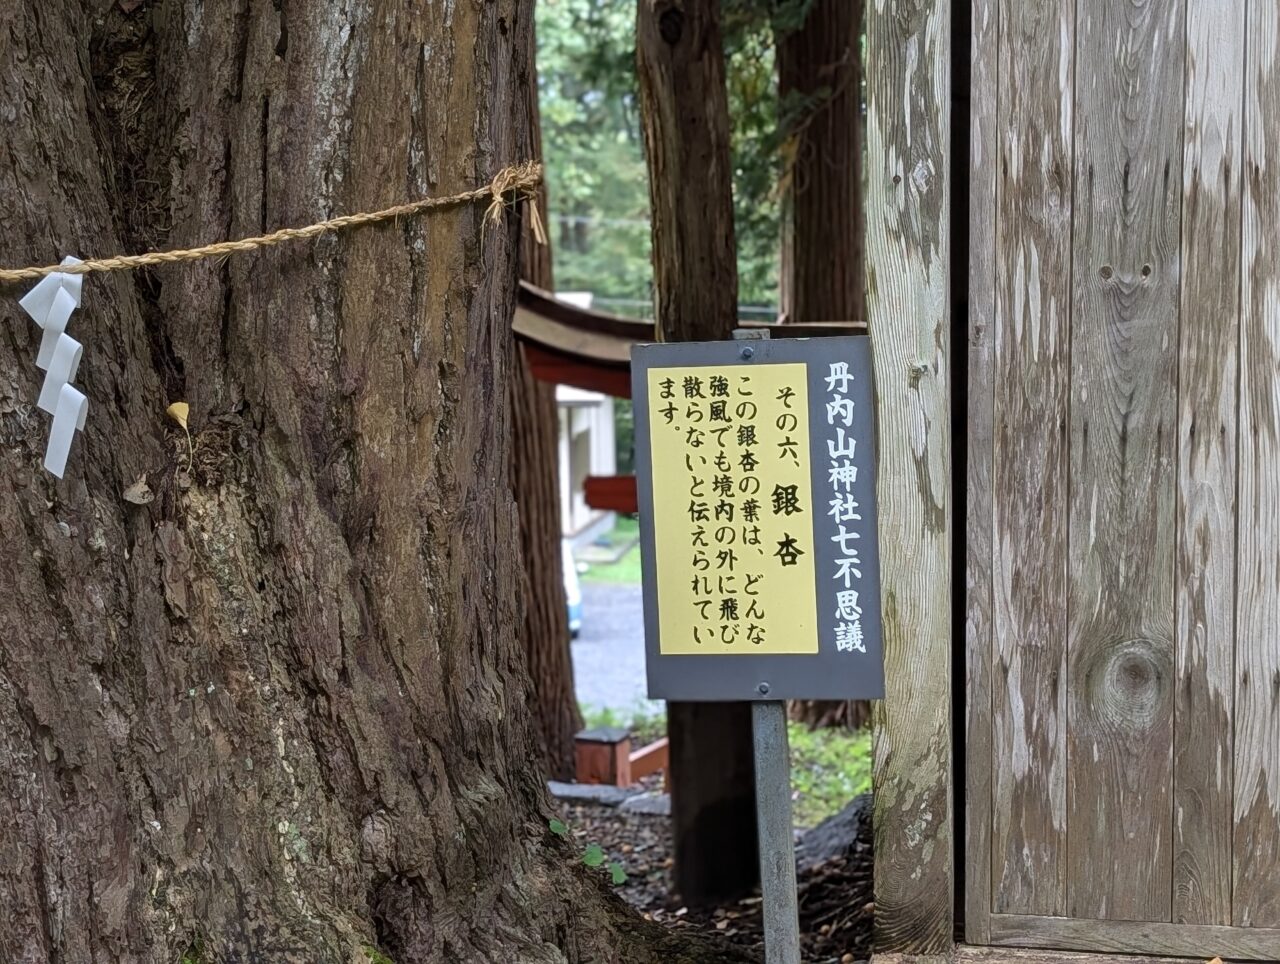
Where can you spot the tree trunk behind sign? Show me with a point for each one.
(264, 699)
(685, 113)
(819, 66)
(534, 459)
(820, 76)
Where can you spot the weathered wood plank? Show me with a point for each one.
(1207, 386)
(1032, 325)
(1201, 941)
(1010, 955)
(983, 165)
(1257, 721)
(1125, 282)
(908, 143)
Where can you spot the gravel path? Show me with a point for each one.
(608, 655)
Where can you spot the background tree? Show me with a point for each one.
(595, 152)
(819, 51)
(534, 471)
(279, 711)
(680, 64)
(819, 56)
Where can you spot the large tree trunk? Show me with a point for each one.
(534, 462)
(280, 711)
(824, 251)
(685, 112)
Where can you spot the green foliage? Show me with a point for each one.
(645, 725)
(376, 956)
(593, 856)
(597, 182)
(624, 434)
(829, 768)
(194, 954)
(627, 569)
(602, 717)
(755, 147)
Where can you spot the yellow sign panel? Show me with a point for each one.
(733, 527)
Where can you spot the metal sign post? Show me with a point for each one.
(777, 836)
(774, 824)
(755, 476)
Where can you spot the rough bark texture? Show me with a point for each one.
(822, 714)
(534, 475)
(821, 63)
(685, 116)
(823, 237)
(685, 111)
(279, 712)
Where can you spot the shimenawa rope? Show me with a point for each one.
(519, 181)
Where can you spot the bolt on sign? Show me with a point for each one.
(755, 466)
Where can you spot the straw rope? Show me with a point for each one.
(516, 183)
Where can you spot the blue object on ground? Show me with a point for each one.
(572, 589)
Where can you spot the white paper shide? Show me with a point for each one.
(50, 303)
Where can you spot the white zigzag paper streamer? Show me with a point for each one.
(50, 303)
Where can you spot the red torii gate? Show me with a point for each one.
(568, 345)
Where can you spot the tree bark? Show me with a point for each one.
(685, 114)
(280, 711)
(823, 226)
(821, 62)
(534, 462)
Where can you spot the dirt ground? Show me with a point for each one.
(834, 883)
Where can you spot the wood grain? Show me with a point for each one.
(1207, 385)
(983, 166)
(1126, 646)
(908, 143)
(1009, 955)
(1125, 279)
(1201, 941)
(1033, 305)
(1257, 720)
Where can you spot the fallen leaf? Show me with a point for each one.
(179, 411)
(139, 493)
(593, 856)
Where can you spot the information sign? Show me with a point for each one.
(755, 467)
